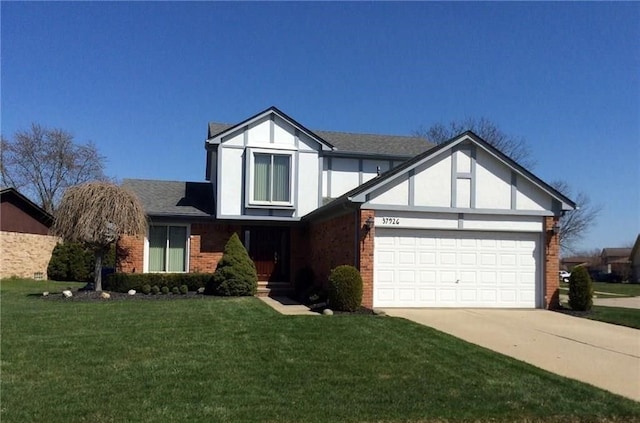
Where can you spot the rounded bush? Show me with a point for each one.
(165, 290)
(580, 290)
(146, 288)
(155, 290)
(175, 290)
(345, 288)
(184, 289)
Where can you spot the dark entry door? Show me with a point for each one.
(268, 247)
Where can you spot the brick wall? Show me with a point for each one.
(205, 248)
(207, 244)
(551, 265)
(130, 254)
(25, 255)
(332, 244)
(366, 258)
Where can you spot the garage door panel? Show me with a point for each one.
(422, 268)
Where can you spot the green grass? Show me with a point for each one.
(622, 289)
(617, 315)
(237, 360)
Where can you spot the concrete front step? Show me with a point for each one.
(266, 289)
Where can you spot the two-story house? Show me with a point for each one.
(454, 225)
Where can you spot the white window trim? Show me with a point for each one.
(145, 258)
(249, 201)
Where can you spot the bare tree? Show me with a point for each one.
(42, 162)
(514, 147)
(96, 214)
(576, 223)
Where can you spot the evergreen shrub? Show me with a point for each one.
(580, 290)
(345, 288)
(235, 274)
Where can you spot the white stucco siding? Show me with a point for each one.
(493, 183)
(260, 133)
(307, 183)
(463, 161)
(230, 186)
(395, 193)
(432, 182)
(235, 139)
(344, 175)
(530, 197)
(370, 168)
(283, 133)
(305, 143)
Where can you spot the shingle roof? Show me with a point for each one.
(173, 198)
(347, 142)
(616, 252)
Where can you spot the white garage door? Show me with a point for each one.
(425, 268)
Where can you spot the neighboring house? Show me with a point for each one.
(634, 258)
(568, 263)
(454, 225)
(616, 261)
(25, 243)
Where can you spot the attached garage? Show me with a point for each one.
(456, 268)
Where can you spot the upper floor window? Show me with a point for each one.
(272, 178)
(167, 248)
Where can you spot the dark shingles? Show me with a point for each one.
(366, 144)
(173, 198)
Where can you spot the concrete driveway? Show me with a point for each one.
(601, 354)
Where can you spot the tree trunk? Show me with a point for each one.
(97, 270)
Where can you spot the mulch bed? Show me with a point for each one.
(121, 296)
(570, 312)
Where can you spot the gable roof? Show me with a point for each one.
(359, 194)
(616, 252)
(173, 198)
(13, 195)
(341, 143)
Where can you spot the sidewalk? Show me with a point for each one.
(287, 306)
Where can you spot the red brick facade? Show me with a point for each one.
(321, 245)
(333, 243)
(551, 264)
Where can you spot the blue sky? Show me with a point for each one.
(141, 80)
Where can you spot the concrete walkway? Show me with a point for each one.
(287, 306)
(601, 354)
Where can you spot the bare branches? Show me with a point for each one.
(43, 162)
(514, 147)
(96, 213)
(576, 223)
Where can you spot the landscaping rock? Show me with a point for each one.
(45, 294)
(131, 292)
(67, 293)
(327, 312)
(200, 291)
(378, 312)
(105, 295)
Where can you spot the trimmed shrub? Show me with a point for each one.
(235, 274)
(71, 261)
(122, 282)
(146, 288)
(155, 290)
(345, 288)
(580, 290)
(175, 290)
(184, 289)
(165, 290)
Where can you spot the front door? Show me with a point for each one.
(268, 247)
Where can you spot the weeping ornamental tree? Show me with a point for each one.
(95, 214)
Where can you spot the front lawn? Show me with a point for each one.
(617, 315)
(237, 360)
(618, 289)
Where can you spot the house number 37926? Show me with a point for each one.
(390, 221)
